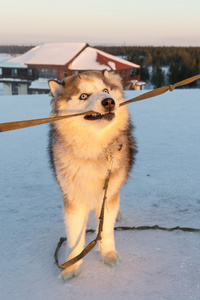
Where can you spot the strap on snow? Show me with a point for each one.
(28, 123)
(120, 228)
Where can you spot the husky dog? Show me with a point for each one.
(79, 148)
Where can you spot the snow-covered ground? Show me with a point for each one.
(163, 189)
(1, 89)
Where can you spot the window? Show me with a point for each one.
(41, 73)
(132, 72)
(48, 73)
(14, 72)
(0, 71)
(15, 89)
(30, 72)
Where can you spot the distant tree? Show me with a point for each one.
(158, 77)
(145, 73)
(184, 66)
(174, 72)
(14, 49)
(148, 59)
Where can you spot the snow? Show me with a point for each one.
(123, 61)
(46, 54)
(163, 189)
(112, 64)
(14, 80)
(56, 53)
(40, 83)
(87, 59)
(12, 64)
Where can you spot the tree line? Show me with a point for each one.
(182, 62)
(14, 49)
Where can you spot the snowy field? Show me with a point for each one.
(164, 189)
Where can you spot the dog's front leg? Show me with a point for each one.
(75, 217)
(107, 243)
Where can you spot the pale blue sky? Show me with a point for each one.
(122, 22)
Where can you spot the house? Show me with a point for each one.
(29, 73)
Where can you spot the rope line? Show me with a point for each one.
(28, 123)
(119, 228)
(156, 227)
(161, 90)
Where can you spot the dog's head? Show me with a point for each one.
(100, 92)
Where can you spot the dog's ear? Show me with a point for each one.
(56, 87)
(105, 73)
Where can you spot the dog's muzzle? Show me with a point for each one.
(109, 106)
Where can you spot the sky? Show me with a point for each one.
(101, 22)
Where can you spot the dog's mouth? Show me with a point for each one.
(96, 116)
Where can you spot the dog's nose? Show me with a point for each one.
(108, 103)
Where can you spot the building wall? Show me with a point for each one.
(7, 89)
(22, 89)
(60, 72)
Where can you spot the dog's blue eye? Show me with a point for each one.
(83, 96)
(106, 91)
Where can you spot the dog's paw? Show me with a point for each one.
(111, 258)
(70, 273)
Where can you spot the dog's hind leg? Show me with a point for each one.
(75, 217)
(107, 243)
